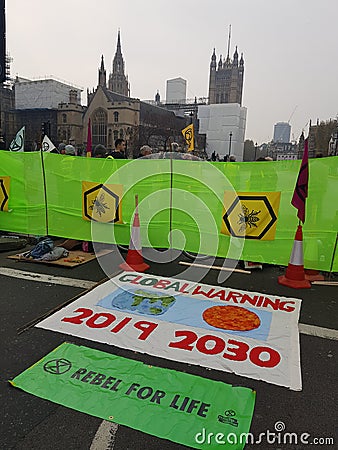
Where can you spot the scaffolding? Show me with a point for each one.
(44, 93)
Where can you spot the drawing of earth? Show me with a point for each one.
(143, 302)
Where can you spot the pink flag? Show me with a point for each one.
(89, 140)
(301, 189)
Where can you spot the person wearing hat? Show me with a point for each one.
(100, 151)
(70, 150)
(145, 150)
(61, 148)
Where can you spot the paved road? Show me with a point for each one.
(28, 422)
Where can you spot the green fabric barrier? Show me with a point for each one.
(207, 182)
(149, 179)
(165, 403)
(183, 196)
(26, 202)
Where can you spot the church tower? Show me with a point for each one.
(102, 74)
(226, 78)
(212, 79)
(118, 82)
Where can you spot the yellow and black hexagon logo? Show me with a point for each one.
(4, 193)
(102, 202)
(250, 215)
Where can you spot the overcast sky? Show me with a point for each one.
(290, 49)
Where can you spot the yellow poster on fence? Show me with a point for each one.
(188, 134)
(102, 202)
(4, 193)
(250, 215)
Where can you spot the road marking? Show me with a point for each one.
(312, 330)
(43, 278)
(326, 283)
(227, 269)
(105, 436)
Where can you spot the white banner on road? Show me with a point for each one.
(248, 333)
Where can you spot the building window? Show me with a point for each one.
(99, 127)
(64, 118)
(121, 134)
(116, 116)
(116, 135)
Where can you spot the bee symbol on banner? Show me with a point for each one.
(247, 219)
(99, 205)
(102, 202)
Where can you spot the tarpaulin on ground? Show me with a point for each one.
(165, 403)
(251, 334)
(187, 196)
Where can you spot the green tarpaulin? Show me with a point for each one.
(172, 405)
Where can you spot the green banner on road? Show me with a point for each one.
(183, 408)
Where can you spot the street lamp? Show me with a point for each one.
(255, 151)
(230, 137)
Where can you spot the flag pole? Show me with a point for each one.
(333, 256)
(89, 140)
(171, 205)
(301, 189)
(44, 190)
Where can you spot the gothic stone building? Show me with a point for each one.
(118, 81)
(113, 113)
(226, 79)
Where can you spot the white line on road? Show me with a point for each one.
(227, 269)
(326, 283)
(104, 438)
(43, 278)
(312, 330)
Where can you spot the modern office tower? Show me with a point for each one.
(282, 132)
(176, 90)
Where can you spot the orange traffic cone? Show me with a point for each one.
(295, 276)
(134, 260)
(313, 275)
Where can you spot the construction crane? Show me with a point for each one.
(294, 109)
